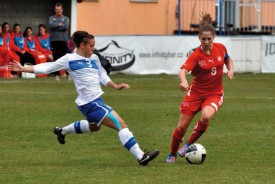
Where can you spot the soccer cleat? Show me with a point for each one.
(57, 78)
(171, 158)
(60, 137)
(147, 157)
(182, 151)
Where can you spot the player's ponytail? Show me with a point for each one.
(206, 24)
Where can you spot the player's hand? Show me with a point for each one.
(122, 86)
(15, 66)
(230, 74)
(184, 86)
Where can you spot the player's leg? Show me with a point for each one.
(178, 134)
(127, 139)
(94, 112)
(209, 108)
(188, 109)
(78, 127)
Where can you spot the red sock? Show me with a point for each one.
(176, 140)
(199, 129)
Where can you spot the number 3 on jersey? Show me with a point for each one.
(92, 64)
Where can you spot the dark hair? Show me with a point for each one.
(15, 25)
(5, 23)
(206, 24)
(25, 32)
(58, 4)
(42, 25)
(81, 36)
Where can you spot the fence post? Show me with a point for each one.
(179, 17)
(220, 17)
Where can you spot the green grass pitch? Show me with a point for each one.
(239, 141)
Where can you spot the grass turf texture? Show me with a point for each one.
(239, 141)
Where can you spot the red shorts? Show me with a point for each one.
(193, 103)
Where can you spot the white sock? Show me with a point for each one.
(77, 127)
(129, 142)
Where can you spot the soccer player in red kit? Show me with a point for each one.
(205, 92)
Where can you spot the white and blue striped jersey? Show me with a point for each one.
(86, 73)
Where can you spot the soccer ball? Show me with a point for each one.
(195, 154)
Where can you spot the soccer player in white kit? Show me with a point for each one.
(87, 74)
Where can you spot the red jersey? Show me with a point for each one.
(18, 42)
(207, 69)
(7, 44)
(43, 44)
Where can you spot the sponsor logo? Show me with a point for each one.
(119, 57)
(190, 52)
(143, 160)
(269, 49)
(210, 61)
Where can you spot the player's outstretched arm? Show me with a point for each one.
(17, 67)
(118, 86)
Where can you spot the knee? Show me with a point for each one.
(94, 127)
(123, 124)
(206, 117)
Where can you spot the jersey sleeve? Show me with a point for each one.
(190, 63)
(49, 67)
(224, 50)
(40, 48)
(226, 57)
(104, 78)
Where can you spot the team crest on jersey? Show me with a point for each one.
(219, 58)
(202, 63)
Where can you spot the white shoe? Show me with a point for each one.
(57, 77)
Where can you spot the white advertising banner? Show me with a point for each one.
(268, 54)
(149, 54)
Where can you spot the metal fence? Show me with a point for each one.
(230, 16)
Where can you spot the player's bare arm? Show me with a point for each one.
(17, 67)
(230, 67)
(184, 83)
(118, 86)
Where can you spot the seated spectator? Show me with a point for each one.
(42, 42)
(8, 42)
(5, 57)
(31, 46)
(32, 49)
(20, 46)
